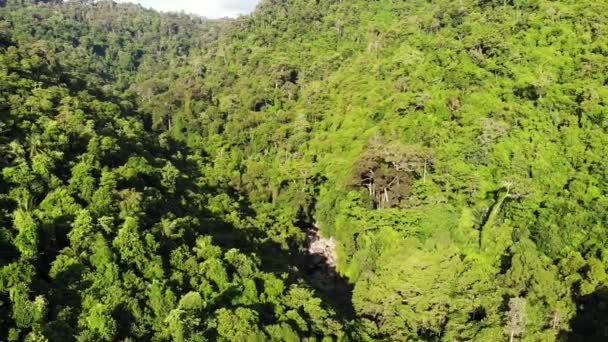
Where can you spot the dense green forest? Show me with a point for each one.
(161, 173)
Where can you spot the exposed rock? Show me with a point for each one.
(325, 248)
(318, 266)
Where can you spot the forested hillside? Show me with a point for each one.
(161, 174)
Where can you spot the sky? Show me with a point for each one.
(206, 8)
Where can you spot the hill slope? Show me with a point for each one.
(160, 171)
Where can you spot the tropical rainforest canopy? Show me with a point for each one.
(160, 172)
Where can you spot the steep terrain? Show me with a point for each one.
(161, 172)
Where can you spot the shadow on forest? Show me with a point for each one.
(301, 265)
(590, 322)
(187, 199)
(296, 260)
(332, 287)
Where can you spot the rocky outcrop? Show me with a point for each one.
(319, 267)
(323, 250)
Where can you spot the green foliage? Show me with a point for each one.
(157, 170)
(26, 240)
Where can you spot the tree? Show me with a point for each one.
(27, 239)
(100, 322)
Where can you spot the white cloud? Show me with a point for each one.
(207, 8)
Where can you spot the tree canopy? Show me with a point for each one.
(160, 172)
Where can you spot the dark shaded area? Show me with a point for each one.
(301, 265)
(259, 105)
(527, 92)
(591, 320)
(478, 314)
(124, 317)
(64, 291)
(295, 260)
(65, 302)
(8, 252)
(333, 288)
